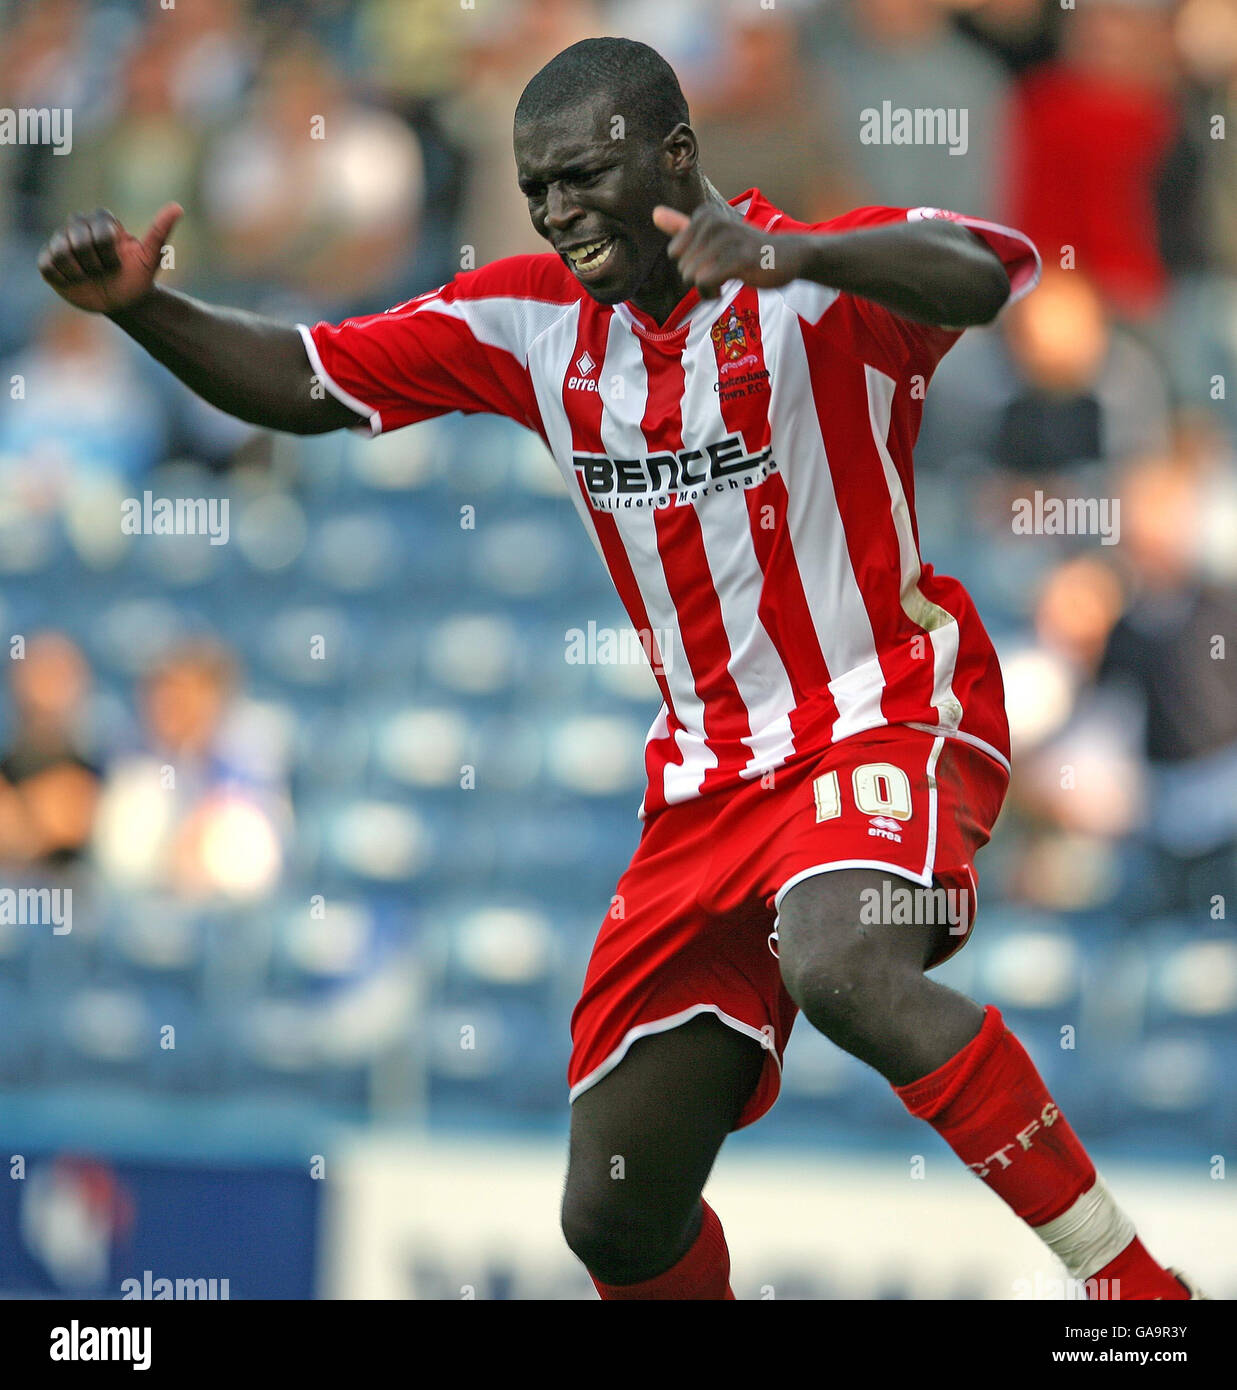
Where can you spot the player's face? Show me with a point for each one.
(591, 194)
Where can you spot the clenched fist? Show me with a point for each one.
(714, 245)
(98, 266)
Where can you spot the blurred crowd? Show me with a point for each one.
(335, 158)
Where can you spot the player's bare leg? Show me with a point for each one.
(864, 986)
(955, 1064)
(643, 1141)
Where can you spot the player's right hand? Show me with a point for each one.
(96, 265)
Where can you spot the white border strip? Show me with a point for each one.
(979, 743)
(929, 863)
(315, 361)
(663, 1025)
(924, 880)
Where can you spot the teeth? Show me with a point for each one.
(586, 257)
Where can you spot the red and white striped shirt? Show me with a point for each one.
(745, 472)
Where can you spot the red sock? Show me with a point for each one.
(992, 1108)
(703, 1273)
(1127, 1276)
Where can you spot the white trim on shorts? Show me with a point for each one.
(994, 753)
(663, 1025)
(902, 872)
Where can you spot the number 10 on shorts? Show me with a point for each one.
(879, 789)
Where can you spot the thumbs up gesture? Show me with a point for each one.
(98, 266)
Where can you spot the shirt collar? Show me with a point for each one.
(757, 210)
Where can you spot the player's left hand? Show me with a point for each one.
(713, 246)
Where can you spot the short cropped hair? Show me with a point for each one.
(639, 81)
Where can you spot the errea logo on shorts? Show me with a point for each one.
(884, 827)
(583, 382)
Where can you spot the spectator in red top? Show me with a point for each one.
(1091, 131)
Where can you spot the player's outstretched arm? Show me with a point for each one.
(933, 271)
(254, 368)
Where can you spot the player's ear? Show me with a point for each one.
(680, 149)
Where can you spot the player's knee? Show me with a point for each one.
(830, 996)
(847, 988)
(617, 1242)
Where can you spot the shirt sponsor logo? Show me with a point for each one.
(672, 479)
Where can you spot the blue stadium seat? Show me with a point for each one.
(1175, 1088)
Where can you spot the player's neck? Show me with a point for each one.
(664, 290)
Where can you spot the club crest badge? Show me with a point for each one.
(735, 334)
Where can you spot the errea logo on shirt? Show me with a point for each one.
(583, 382)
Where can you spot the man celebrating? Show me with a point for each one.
(732, 397)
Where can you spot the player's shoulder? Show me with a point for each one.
(540, 277)
(873, 215)
(762, 213)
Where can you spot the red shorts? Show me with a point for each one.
(692, 926)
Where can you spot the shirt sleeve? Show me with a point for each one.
(463, 346)
(900, 345)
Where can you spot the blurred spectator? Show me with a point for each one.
(210, 55)
(503, 52)
(1089, 135)
(1166, 641)
(313, 192)
(1021, 33)
(1051, 398)
(1173, 648)
(57, 57)
(201, 810)
(84, 412)
(145, 156)
(1198, 211)
(763, 120)
(1122, 710)
(411, 48)
(1079, 782)
(1087, 392)
(1206, 450)
(52, 56)
(904, 54)
(685, 32)
(48, 785)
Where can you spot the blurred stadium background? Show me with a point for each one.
(399, 810)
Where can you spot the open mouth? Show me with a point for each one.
(588, 259)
